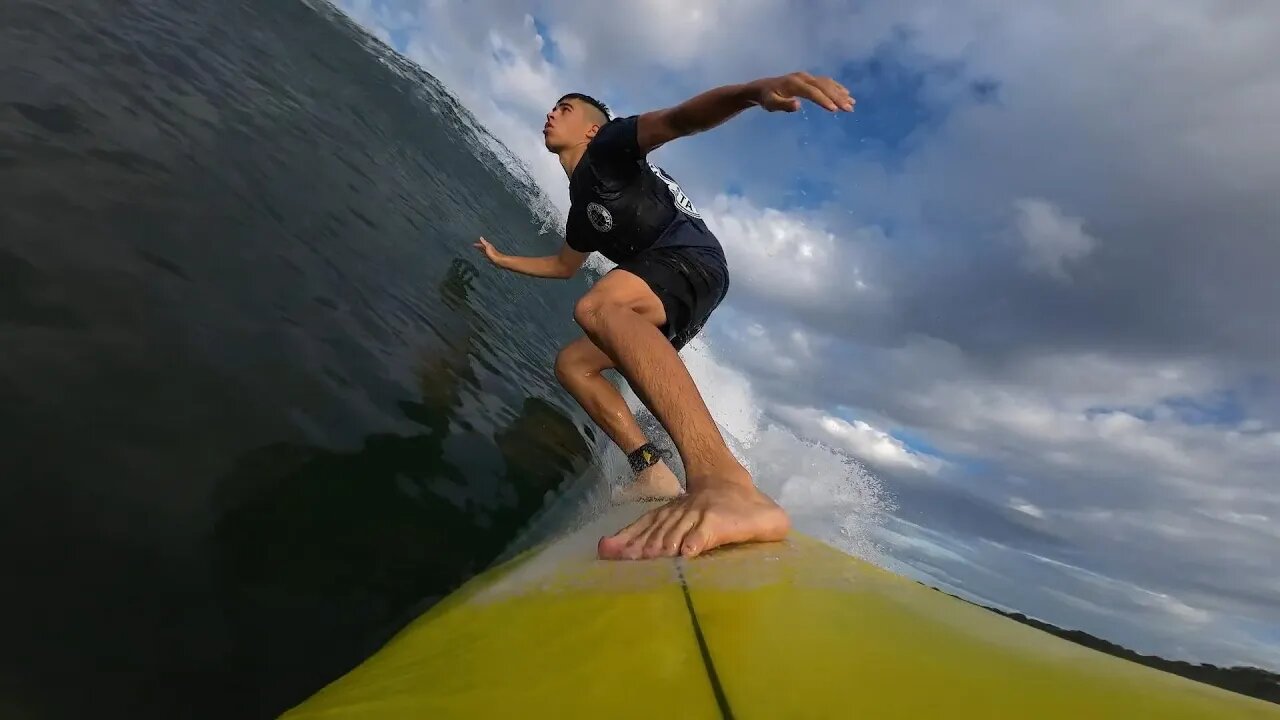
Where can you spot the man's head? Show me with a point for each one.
(573, 121)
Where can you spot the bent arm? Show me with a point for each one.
(560, 266)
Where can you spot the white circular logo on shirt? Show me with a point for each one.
(599, 216)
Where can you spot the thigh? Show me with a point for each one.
(690, 284)
(708, 286)
(622, 287)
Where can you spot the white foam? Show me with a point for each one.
(827, 493)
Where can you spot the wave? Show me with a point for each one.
(513, 173)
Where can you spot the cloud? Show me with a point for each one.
(522, 77)
(372, 16)
(1023, 506)
(874, 447)
(821, 269)
(1052, 240)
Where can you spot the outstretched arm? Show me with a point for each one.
(713, 107)
(561, 266)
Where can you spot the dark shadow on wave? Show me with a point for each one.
(322, 555)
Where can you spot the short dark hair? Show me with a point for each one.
(604, 109)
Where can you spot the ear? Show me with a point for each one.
(591, 131)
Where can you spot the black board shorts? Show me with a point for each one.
(690, 282)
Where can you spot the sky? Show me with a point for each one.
(1029, 285)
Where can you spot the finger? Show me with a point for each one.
(817, 95)
(804, 77)
(787, 104)
(807, 86)
(837, 92)
(835, 88)
(783, 104)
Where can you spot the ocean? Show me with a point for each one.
(261, 400)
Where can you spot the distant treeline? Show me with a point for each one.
(1251, 681)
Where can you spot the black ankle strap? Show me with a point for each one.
(646, 456)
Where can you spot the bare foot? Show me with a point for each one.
(712, 515)
(655, 482)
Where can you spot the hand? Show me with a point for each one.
(785, 92)
(488, 249)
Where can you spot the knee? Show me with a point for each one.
(587, 311)
(592, 312)
(568, 366)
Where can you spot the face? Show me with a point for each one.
(571, 122)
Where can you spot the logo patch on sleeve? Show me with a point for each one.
(600, 218)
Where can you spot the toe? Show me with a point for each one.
(610, 548)
(635, 549)
(698, 540)
(652, 547)
(676, 532)
(658, 543)
(615, 546)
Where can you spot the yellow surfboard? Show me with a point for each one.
(795, 629)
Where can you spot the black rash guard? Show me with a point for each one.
(623, 205)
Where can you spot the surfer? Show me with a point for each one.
(671, 274)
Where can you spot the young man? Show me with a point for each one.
(671, 275)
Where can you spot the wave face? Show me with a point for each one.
(261, 402)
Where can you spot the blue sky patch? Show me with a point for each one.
(808, 192)
(550, 51)
(400, 38)
(1143, 414)
(919, 444)
(1221, 408)
(902, 93)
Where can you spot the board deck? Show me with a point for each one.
(795, 629)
